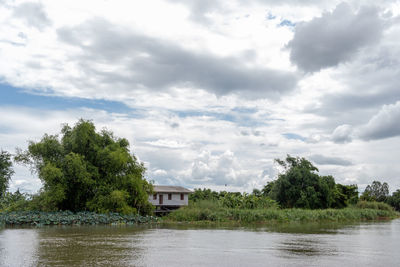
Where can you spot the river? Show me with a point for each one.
(361, 244)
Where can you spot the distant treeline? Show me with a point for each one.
(298, 194)
(300, 186)
(85, 170)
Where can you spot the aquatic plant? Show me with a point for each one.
(70, 218)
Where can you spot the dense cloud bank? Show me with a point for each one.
(209, 93)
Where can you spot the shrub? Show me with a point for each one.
(373, 205)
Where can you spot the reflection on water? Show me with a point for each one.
(90, 246)
(365, 244)
(305, 247)
(18, 247)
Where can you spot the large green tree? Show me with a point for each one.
(300, 186)
(377, 191)
(394, 200)
(345, 195)
(6, 171)
(82, 169)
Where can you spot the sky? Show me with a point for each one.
(209, 92)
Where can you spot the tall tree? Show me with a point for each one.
(394, 200)
(87, 170)
(6, 171)
(377, 191)
(300, 186)
(345, 195)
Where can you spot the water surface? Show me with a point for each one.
(362, 244)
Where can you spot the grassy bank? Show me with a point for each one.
(211, 212)
(37, 218)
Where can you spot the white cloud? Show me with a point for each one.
(210, 91)
(334, 37)
(33, 14)
(342, 134)
(384, 124)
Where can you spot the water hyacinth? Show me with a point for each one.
(69, 218)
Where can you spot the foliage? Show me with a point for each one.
(233, 199)
(203, 194)
(210, 211)
(14, 201)
(6, 172)
(86, 170)
(373, 205)
(301, 187)
(376, 192)
(267, 189)
(257, 192)
(394, 200)
(247, 201)
(69, 218)
(345, 195)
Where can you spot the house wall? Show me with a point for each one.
(175, 199)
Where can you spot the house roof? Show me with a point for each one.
(170, 189)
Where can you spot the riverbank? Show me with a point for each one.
(214, 214)
(206, 213)
(37, 218)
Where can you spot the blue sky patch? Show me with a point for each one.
(12, 96)
(286, 23)
(235, 117)
(271, 17)
(293, 136)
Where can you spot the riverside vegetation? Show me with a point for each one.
(206, 211)
(298, 195)
(91, 177)
(81, 170)
(37, 218)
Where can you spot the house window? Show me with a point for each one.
(169, 196)
(154, 196)
(182, 196)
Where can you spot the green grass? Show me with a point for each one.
(373, 205)
(207, 211)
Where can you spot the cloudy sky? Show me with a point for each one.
(210, 92)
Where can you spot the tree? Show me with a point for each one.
(203, 194)
(301, 187)
(376, 192)
(267, 189)
(345, 195)
(14, 201)
(394, 200)
(257, 192)
(85, 170)
(6, 172)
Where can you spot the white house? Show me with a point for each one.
(167, 198)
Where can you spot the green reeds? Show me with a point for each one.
(207, 211)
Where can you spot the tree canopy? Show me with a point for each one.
(394, 200)
(6, 171)
(300, 186)
(377, 191)
(82, 169)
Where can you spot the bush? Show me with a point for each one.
(394, 200)
(14, 201)
(373, 205)
(247, 201)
